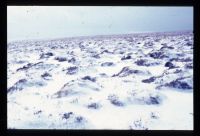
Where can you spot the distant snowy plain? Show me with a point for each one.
(133, 81)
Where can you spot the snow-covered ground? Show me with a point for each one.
(133, 81)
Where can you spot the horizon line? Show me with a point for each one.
(98, 36)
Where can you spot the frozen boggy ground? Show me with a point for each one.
(134, 81)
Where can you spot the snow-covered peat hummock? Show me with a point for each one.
(133, 81)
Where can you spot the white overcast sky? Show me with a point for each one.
(37, 22)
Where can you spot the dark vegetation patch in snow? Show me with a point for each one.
(189, 43)
(148, 44)
(29, 65)
(103, 75)
(46, 55)
(96, 56)
(179, 84)
(36, 83)
(89, 78)
(157, 55)
(114, 99)
(78, 87)
(94, 105)
(141, 62)
(21, 61)
(154, 116)
(37, 112)
(22, 83)
(79, 119)
(72, 60)
(169, 64)
(181, 59)
(144, 62)
(107, 64)
(72, 70)
(147, 99)
(149, 80)
(178, 71)
(63, 93)
(126, 57)
(106, 51)
(17, 86)
(138, 125)
(38, 66)
(189, 66)
(46, 76)
(157, 40)
(121, 52)
(126, 71)
(153, 100)
(43, 66)
(67, 115)
(61, 59)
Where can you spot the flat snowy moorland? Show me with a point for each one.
(134, 81)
